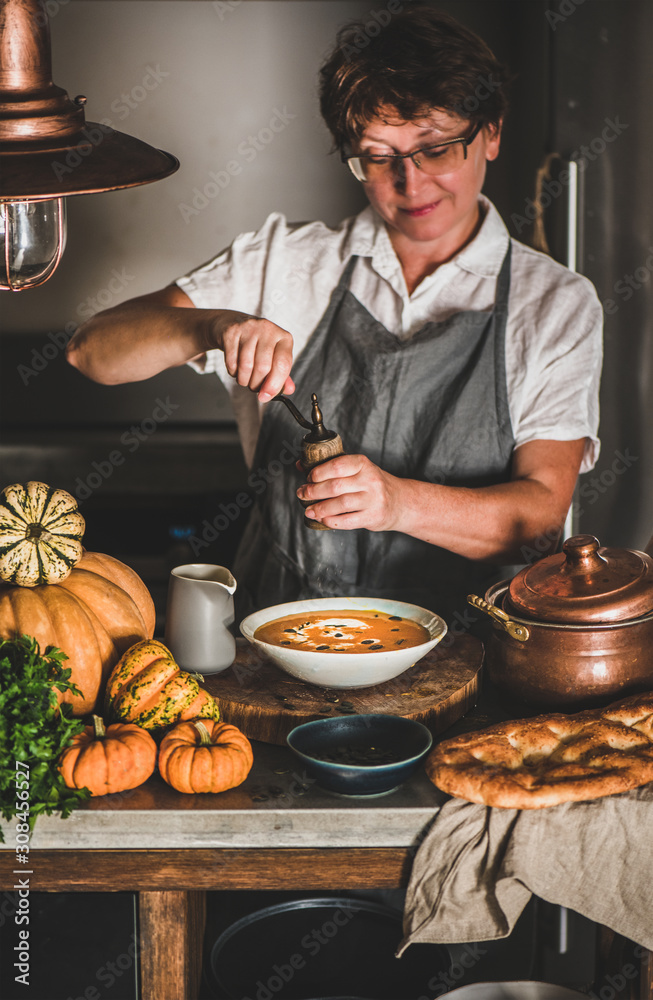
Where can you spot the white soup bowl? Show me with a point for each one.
(345, 670)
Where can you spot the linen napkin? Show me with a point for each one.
(478, 866)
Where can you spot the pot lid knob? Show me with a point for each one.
(582, 556)
(585, 583)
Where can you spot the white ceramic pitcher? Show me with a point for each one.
(521, 990)
(200, 609)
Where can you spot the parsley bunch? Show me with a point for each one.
(33, 728)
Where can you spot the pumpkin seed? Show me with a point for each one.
(359, 756)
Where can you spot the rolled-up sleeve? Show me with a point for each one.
(556, 395)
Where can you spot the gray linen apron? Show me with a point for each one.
(433, 407)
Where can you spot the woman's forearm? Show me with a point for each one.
(146, 335)
(138, 339)
(500, 522)
(485, 523)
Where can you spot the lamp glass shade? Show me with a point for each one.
(34, 237)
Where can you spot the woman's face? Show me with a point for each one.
(425, 214)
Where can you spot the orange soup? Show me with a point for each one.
(343, 631)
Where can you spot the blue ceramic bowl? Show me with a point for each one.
(354, 743)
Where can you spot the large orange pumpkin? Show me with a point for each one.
(147, 687)
(94, 615)
(205, 756)
(108, 760)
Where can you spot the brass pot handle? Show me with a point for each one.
(500, 618)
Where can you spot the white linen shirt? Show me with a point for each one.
(287, 272)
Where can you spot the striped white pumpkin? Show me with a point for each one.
(41, 532)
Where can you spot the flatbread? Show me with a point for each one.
(549, 759)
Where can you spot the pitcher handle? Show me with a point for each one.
(500, 618)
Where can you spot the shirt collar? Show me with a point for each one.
(369, 237)
(483, 256)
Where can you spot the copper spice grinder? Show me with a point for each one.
(318, 446)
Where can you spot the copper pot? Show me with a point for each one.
(575, 629)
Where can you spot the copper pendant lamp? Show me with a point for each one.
(49, 151)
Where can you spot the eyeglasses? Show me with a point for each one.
(444, 158)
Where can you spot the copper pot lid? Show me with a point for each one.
(585, 583)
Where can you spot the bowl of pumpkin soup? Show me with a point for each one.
(344, 642)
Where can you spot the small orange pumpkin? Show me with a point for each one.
(108, 760)
(148, 688)
(205, 756)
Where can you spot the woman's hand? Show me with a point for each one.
(257, 353)
(350, 491)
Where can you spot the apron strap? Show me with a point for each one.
(502, 293)
(339, 292)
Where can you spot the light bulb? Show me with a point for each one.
(34, 236)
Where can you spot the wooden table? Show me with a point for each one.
(277, 831)
(172, 887)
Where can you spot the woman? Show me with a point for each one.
(460, 367)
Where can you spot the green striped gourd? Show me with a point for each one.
(149, 689)
(41, 532)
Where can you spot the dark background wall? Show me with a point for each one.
(602, 71)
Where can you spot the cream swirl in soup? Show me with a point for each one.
(343, 631)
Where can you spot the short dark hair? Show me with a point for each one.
(414, 62)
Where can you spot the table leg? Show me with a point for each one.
(171, 935)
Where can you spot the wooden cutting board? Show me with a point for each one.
(266, 703)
